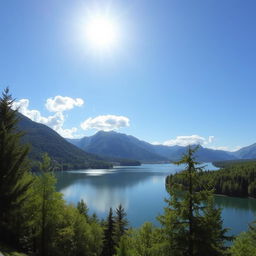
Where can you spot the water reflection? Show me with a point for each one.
(110, 180)
(102, 189)
(141, 190)
(243, 204)
(99, 199)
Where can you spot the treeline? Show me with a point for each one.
(35, 220)
(227, 163)
(235, 179)
(121, 161)
(60, 165)
(70, 162)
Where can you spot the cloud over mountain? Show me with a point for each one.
(56, 121)
(60, 103)
(106, 123)
(189, 140)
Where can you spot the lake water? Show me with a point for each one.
(141, 191)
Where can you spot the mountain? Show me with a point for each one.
(113, 144)
(248, 152)
(118, 145)
(175, 153)
(212, 155)
(43, 139)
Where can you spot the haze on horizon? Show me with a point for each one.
(165, 72)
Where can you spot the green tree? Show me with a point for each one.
(109, 243)
(14, 181)
(83, 209)
(123, 249)
(75, 236)
(144, 241)
(58, 228)
(243, 246)
(245, 243)
(191, 224)
(121, 223)
(48, 206)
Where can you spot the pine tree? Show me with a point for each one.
(122, 250)
(50, 204)
(245, 243)
(83, 209)
(121, 223)
(191, 224)
(109, 243)
(212, 240)
(14, 181)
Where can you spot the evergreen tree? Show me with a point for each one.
(191, 224)
(57, 228)
(146, 240)
(109, 243)
(94, 219)
(121, 223)
(212, 240)
(83, 209)
(14, 182)
(245, 243)
(235, 178)
(122, 250)
(49, 207)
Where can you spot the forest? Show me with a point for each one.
(35, 220)
(235, 178)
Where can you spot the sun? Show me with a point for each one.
(101, 32)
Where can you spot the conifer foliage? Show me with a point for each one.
(121, 223)
(13, 169)
(245, 243)
(115, 229)
(83, 209)
(109, 243)
(191, 224)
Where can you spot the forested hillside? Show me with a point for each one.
(43, 139)
(235, 178)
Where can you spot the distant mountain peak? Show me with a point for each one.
(119, 145)
(106, 132)
(45, 140)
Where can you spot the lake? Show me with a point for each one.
(141, 191)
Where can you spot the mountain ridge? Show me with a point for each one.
(118, 145)
(248, 152)
(114, 144)
(43, 139)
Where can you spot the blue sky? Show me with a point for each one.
(180, 68)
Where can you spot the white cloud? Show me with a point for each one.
(55, 121)
(106, 123)
(22, 106)
(225, 148)
(235, 148)
(189, 140)
(156, 143)
(210, 139)
(195, 140)
(68, 133)
(60, 103)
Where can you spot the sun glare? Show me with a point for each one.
(101, 32)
